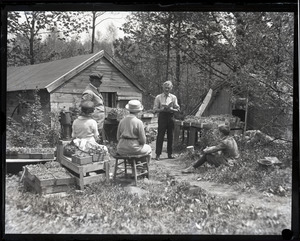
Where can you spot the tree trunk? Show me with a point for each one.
(93, 32)
(168, 47)
(178, 59)
(31, 54)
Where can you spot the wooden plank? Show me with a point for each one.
(32, 185)
(45, 182)
(92, 179)
(92, 167)
(28, 160)
(55, 189)
(204, 103)
(64, 181)
(72, 166)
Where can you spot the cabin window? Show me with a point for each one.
(110, 99)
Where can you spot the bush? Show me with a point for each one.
(32, 131)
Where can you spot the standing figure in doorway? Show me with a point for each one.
(165, 105)
(92, 93)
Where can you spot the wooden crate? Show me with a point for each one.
(82, 160)
(82, 172)
(52, 184)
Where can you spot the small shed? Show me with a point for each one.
(219, 103)
(227, 100)
(61, 83)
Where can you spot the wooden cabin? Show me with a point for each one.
(61, 83)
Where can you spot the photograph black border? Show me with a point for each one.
(245, 6)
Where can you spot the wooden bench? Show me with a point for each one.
(135, 162)
(83, 173)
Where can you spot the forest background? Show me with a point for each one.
(252, 52)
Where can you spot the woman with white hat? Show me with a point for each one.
(131, 134)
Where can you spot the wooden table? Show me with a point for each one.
(190, 130)
(82, 173)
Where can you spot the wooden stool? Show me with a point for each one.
(132, 161)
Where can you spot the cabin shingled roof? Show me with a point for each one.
(44, 75)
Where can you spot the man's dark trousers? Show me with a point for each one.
(165, 123)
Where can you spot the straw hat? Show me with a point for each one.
(134, 106)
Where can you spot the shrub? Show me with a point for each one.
(32, 131)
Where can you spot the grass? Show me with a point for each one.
(167, 207)
(248, 174)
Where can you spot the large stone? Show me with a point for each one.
(135, 190)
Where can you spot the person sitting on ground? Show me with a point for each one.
(226, 152)
(85, 130)
(131, 133)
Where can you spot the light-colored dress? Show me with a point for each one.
(131, 137)
(84, 132)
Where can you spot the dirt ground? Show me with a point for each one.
(276, 204)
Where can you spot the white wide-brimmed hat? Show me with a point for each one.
(134, 106)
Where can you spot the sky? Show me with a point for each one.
(115, 18)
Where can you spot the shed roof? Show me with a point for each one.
(52, 74)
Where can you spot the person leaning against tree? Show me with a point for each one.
(92, 93)
(165, 105)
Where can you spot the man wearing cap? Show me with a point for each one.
(91, 93)
(225, 152)
(165, 105)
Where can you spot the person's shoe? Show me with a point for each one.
(190, 169)
(157, 158)
(171, 157)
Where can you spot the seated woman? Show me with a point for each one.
(85, 130)
(131, 134)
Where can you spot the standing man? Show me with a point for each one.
(92, 93)
(165, 105)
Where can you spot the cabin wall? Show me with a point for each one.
(16, 110)
(115, 87)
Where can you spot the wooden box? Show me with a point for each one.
(47, 182)
(82, 160)
(98, 157)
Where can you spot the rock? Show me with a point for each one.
(135, 190)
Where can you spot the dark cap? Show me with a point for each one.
(96, 75)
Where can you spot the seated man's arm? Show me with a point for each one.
(213, 149)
